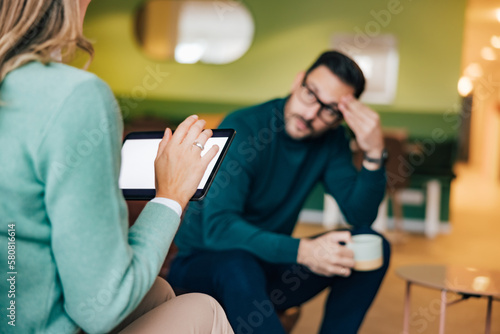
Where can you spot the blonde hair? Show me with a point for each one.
(39, 30)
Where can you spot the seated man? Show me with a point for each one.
(236, 245)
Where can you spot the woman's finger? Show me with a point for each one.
(207, 157)
(193, 132)
(204, 136)
(164, 141)
(183, 128)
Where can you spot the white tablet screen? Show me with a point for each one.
(138, 156)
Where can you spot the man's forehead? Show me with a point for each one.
(327, 84)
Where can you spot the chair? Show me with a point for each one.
(397, 179)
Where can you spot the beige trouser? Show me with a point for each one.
(162, 312)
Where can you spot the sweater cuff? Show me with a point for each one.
(374, 177)
(170, 203)
(287, 249)
(159, 218)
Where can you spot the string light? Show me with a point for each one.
(488, 53)
(495, 41)
(474, 71)
(465, 86)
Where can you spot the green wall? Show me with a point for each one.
(288, 36)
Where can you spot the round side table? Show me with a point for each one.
(465, 281)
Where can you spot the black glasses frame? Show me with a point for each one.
(332, 109)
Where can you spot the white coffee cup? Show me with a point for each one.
(367, 250)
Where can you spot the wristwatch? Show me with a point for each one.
(380, 161)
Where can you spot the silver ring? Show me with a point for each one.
(343, 271)
(198, 144)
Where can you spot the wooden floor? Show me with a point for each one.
(474, 241)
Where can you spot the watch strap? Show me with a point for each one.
(381, 161)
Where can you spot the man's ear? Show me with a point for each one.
(298, 80)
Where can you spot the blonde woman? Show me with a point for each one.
(71, 263)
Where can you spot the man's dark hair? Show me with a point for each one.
(343, 67)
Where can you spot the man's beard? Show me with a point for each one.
(308, 123)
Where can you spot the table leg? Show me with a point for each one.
(488, 316)
(443, 312)
(406, 320)
(432, 208)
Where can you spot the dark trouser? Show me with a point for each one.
(250, 290)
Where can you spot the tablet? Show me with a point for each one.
(137, 172)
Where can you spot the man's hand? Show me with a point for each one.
(365, 123)
(325, 256)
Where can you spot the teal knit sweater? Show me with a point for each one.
(77, 264)
(264, 181)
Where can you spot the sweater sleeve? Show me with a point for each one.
(104, 268)
(358, 194)
(224, 224)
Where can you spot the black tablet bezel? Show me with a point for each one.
(148, 194)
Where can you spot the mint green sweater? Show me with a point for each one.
(77, 264)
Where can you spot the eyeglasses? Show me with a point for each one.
(328, 113)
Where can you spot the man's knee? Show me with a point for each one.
(239, 270)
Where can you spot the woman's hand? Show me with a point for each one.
(179, 165)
